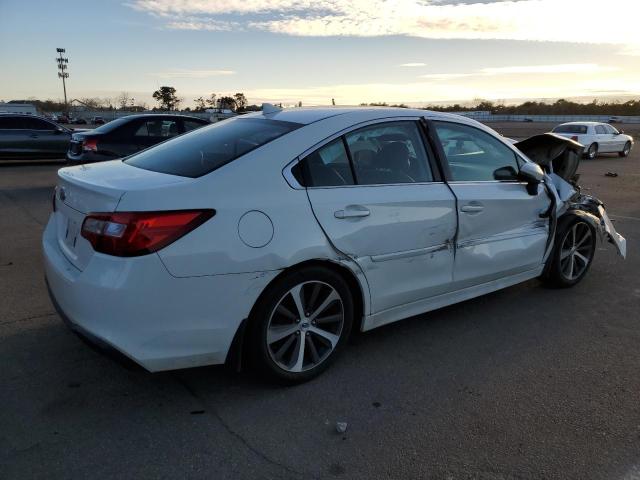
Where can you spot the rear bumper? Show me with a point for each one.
(136, 307)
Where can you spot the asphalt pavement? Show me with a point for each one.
(525, 383)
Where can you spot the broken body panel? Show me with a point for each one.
(559, 157)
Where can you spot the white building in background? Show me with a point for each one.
(18, 108)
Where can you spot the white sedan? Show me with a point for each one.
(596, 138)
(273, 235)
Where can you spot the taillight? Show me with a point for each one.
(574, 138)
(130, 234)
(90, 145)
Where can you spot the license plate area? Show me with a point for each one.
(72, 230)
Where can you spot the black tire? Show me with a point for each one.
(556, 272)
(626, 151)
(261, 353)
(592, 151)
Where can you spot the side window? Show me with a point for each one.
(326, 167)
(192, 125)
(610, 129)
(600, 130)
(11, 123)
(474, 155)
(37, 124)
(387, 153)
(158, 128)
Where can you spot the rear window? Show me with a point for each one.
(204, 150)
(570, 129)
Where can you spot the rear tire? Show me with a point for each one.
(626, 151)
(592, 151)
(300, 324)
(573, 252)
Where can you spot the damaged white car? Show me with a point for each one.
(273, 235)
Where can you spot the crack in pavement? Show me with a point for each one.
(33, 317)
(237, 435)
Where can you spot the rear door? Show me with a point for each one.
(380, 201)
(617, 140)
(501, 231)
(47, 139)
(14, 139)
(604, 139)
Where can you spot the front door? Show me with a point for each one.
(501, 229)
(374, 193)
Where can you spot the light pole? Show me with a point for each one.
(62, 66)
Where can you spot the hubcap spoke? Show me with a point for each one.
(296, 294)
(587, 236)
(329, 319)
(298, 354)
(330, 337)
(284, 348)
(278, 332)
(312, 349)
(564, 254)
(332, 297)
(582, 258)
(281, 309)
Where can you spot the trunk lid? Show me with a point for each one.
(95, 188)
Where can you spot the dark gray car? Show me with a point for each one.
(31, 137)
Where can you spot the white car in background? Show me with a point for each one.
(277, 233)
(596, 138)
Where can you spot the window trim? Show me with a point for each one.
(445, 161)
(431, 156)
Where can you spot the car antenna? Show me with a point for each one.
(268, 108)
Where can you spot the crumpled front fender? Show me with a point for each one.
(592, 210)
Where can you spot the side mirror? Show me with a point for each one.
(505, 173)
(620, 132)
(531, 173)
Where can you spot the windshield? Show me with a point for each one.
(570, 129)
(208, 148)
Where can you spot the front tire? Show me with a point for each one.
(573, 253)
(300, 324)
(592, 151)
(626, 151)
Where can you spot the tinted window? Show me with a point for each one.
(474, 155)
(11, 123)
(579, 129)
(192, 124)
(388, 153)
(158, 128)
(37, 124)
(600, 130)
(326, 167)
(206, 149)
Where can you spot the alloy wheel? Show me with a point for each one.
(593, 152)
(305, 326)
(577, 250)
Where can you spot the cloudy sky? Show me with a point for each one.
(355, 51)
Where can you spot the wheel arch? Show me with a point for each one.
(357, 289)
(359, 293)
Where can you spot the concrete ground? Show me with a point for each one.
(525, 383)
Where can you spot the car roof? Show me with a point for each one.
(156, 115)
(308, 115)
(583, 123)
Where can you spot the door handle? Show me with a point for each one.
(472, 208)
(352, 211)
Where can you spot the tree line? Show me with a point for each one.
(168, 99)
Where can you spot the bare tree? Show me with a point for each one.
(211, 101)
(201, 104)
(123, 100)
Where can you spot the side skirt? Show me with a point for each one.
(422, 306)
